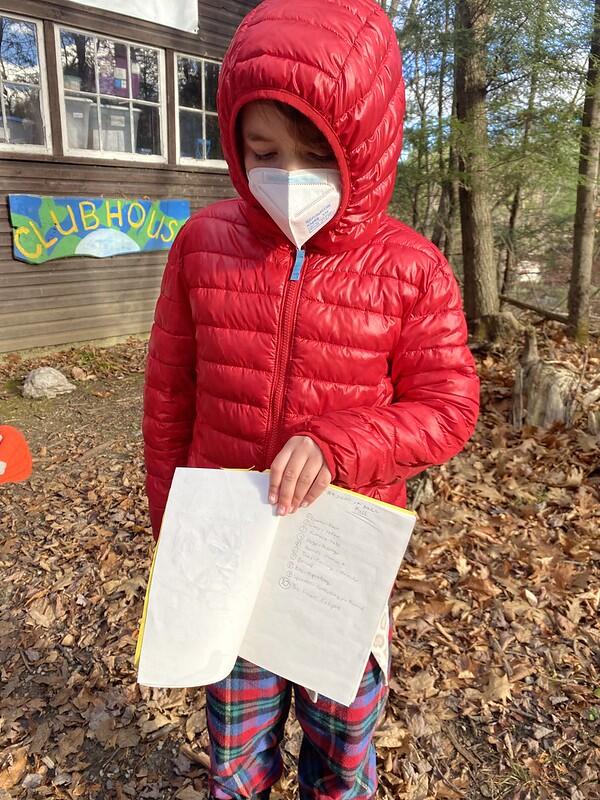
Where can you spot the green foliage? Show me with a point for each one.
(536, 60)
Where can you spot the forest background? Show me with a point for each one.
(502, 135)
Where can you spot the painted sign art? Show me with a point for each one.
(47, 228)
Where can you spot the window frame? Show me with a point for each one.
(186, 161)
(46, 148)
(113, 155)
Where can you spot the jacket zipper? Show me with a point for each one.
(287, 322)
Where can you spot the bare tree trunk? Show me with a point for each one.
(415, 196)
(440, 226)
(500, 260)
(422, 163)
(585, 213)
(452, 244)
(390, 7)
(428, 181)
(510, 264)
(480, 283)
(509, 277)
(438, 235)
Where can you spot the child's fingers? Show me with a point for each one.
(294, 473)
(277, 467)
(285, 470)
(305, 481)
(320, 483)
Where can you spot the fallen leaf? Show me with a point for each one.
(40, 619)
(195, 723)
(189, 793)
(531, 598)
(156, 723)
(419, 789)
(126, 737)
(462, 565)
(70, 742)
(480, 586)
(421, 685)
(14, 767)
(391, 736)
(39, 739)
(497, 689)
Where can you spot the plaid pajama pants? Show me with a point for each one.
(246, 714)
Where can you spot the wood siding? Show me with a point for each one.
(78, 299)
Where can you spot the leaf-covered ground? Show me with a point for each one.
(496, 671)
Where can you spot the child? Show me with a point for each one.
(301, 329)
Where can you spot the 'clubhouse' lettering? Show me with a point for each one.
(149, 225)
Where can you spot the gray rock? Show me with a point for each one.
(45, 382)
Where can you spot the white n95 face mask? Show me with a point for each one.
(300, 201)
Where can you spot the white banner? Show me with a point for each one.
(180, 14)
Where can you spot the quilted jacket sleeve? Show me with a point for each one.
(169, 387)
(435, 402)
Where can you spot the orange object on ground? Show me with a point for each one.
(15, 457)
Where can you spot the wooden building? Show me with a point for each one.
(102, 105)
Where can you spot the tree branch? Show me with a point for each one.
(541, 312)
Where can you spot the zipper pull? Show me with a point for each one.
(298, 265)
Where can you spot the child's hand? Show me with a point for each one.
(299, 475)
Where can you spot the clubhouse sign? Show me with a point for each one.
(48, 228)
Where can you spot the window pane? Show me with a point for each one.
(191, 141)
(146, 127)
(115, 133)
(112, 68)
(213, 138)
(77, 57)
(211, 77)
(144, 74)
(23, 117)
(81, 118)
(189, 75)
(18, 51)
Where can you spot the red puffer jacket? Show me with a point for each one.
(365, 352)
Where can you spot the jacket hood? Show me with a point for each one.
(339, 64)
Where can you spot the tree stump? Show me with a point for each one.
(544, 393)
(421, 491)
(500, 327)
(591, 406)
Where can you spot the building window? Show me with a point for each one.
(112, 97)
(24, 123)
(198, 139)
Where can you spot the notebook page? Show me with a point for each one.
(330, 572)
(211, 555)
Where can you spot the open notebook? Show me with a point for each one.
(300, 595)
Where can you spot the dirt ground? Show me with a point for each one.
(495, 687)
